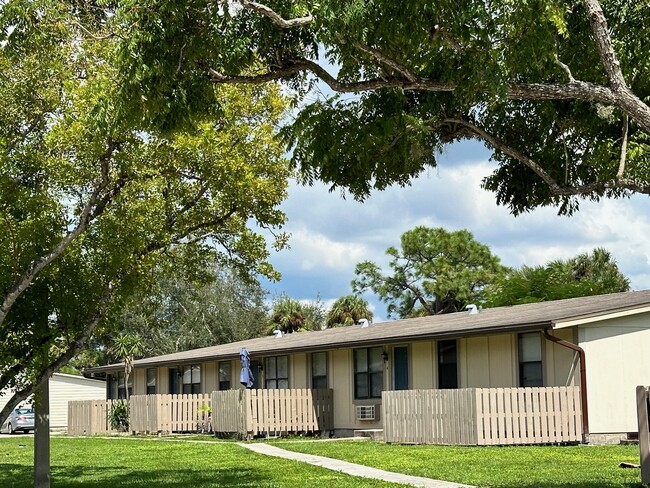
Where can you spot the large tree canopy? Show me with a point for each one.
(557, 89)
(435, 271)
(90, 205)
(583, 275)
(180, 312)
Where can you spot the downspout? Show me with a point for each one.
(583, 380)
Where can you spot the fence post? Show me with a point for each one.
(644, 431)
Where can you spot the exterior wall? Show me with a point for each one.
(162, 380)
(423, 365)
(139, 381)
(299, 371)
(492, 362)
(617, 360)
(486, 362)
(64, 387)
(561, 366)
(209, 377)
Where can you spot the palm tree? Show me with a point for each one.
(348, 310)
(288, 315)
(126, 347)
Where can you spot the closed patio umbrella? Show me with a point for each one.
(246, 375)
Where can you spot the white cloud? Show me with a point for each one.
(330, 235)
(314, 250)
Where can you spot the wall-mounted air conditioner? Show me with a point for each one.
(366, 412)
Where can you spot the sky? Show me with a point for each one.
(330, 235)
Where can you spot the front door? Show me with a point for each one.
(400, 368)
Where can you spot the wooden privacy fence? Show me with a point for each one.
(643, 415)
(254, 412)
(170, 413)
(147, 413)
(88, 417)
(483, 416)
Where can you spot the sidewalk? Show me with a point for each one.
(350, 468)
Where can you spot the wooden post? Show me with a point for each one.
(644, 431)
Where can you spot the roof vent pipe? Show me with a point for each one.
(363, 323)
(277, 333)
(471, 309)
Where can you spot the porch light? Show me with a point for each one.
(384, 356)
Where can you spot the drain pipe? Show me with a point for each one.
(583, 380)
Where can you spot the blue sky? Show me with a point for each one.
(329, 234)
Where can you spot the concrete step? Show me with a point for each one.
(374, 434)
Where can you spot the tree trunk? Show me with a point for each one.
(42, 435)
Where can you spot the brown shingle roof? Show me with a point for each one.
(532, 316)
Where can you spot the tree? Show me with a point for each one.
(583, 275)
(178, 312)
(557, 89)
(91, 204)
(348, 310)
(436, 271)
(126, 347)
(287, 315)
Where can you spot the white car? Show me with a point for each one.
(21, 419)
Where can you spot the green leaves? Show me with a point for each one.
(91, 204)
(583, 275)
(435, 271)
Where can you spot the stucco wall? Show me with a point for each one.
(617, 361)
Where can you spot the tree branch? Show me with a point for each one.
(579, 90)
(565, 68)
(598, 186)
(275, 18)
(604, 43)
(513, 153)
(84, 220)
(621, 164)
(382, 58)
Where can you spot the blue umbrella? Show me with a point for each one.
(246, 375)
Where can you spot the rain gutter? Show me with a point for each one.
(583, 380)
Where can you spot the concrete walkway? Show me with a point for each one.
(350, 468)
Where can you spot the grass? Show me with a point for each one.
(138, 462)
(499, 467)
(109, 463)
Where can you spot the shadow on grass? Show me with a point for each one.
(19, 476)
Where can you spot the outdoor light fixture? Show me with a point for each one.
(384, 356)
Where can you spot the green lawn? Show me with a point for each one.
(102, 463)
(138, 462)
(502, 467)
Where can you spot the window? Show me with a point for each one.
(319, 370)
(191, 379)
(368, 373)
(121, 385)
(530, 359)
(447, 364)
(151, 381)
(225, 375)
(276, 372)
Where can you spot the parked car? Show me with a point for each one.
(21, 419)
